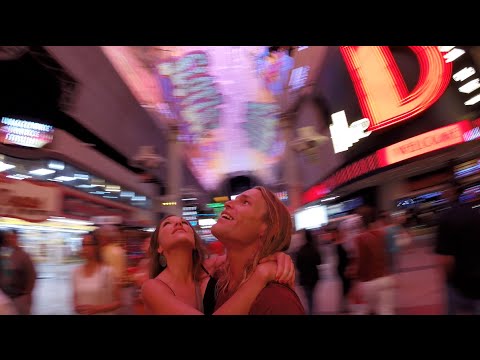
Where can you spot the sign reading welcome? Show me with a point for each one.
(415, 146)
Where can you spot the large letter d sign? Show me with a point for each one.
(382, 93)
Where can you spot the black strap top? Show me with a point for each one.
(209, 296)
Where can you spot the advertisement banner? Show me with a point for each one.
(22, 199)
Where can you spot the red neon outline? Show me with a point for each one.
(389, 156)
(435, 75)
(376, 161)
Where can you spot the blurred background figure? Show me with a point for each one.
(338, 240)
(113, 254)
(6, 305)
(370, 266)
(142, 274)
(143, 266)
(215, 248)
(459, 249)
(18, 274)
(348, 229)
(95, 287)
(307, 260)
(397, 236)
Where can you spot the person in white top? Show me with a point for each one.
(95, 287)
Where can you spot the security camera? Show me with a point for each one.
(146, 158)
(308, 140)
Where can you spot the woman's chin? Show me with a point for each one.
(181, 242)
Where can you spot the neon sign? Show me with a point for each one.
(424, 143)
(381, 90)
(344, 136)
(25, 133)
(418, 145)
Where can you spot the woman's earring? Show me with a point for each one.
(162, 260)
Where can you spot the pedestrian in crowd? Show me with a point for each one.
(370, 266)
(458, 248)
(95, 286)
(18, 274)
(307, 260)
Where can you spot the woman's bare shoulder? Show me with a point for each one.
(155, 285)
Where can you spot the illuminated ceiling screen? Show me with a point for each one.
(224, 98)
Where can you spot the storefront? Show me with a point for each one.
(51, 218)
(52, 202)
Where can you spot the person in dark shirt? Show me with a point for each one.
(18, 274)
(308, 258)
(458, 246)
(343, 261)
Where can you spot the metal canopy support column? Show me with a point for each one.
(174, 169)
(291, 168)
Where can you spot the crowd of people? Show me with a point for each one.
(365, 245)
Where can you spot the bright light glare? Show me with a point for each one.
(453, 55)
(470, 86)
(473, 100)
(5, 166)
(41, 172)
(464, 74)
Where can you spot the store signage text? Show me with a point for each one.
(424, 143)
(403, 150)
(25, 133)
(27, 201)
